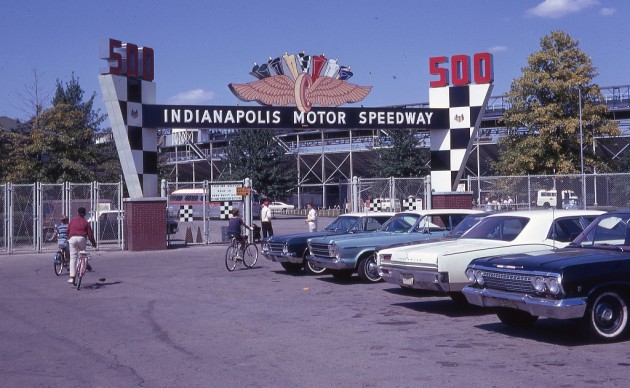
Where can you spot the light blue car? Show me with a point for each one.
(291, 250)
(343, 255)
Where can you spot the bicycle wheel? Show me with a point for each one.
(250, 255)
(80, 271)
(230, 258)
(58, 263)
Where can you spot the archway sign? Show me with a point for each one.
(296, 91)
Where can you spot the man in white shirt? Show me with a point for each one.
(311, 218)
(265, 220)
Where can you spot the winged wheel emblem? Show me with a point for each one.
(301, 80)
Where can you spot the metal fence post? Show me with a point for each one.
(9, 218)
(247, 208)
(205, 217)
(427, 191)
(37, 216)
(529, 192)
(392, 195)
(355, 194)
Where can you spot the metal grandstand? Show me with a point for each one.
(325, 157)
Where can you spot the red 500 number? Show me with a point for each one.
(129, 59)
(482, 70)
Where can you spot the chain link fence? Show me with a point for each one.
(194, 216)
(30, 213)
(391, 194)
(589, 191)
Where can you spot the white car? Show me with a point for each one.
(280, 207)
(440, 266)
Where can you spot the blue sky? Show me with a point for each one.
(202, 46)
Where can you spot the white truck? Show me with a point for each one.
(548, 198)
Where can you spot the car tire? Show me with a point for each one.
(606, 317)
(292, 267)
(311, 268)
(367, 270)
(516, 318)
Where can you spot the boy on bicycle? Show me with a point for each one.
(234, 227)
(61, 234)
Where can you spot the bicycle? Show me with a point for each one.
(82, 263)
(60, 262)
(247, 253)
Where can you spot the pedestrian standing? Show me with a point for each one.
(311, 218)
(265, 220)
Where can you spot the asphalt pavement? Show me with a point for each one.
(178, 318)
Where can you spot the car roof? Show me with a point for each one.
(365, 214)
(430, 212)
(544, 213)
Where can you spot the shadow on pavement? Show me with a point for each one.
(551, 331)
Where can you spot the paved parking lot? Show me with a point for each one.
(177, 317)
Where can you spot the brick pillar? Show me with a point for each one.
(452, 200)
(145, 224)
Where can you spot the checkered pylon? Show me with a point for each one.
(225, 210)
(185, 213)
(376, 205)
(412, 204)
(450, 146)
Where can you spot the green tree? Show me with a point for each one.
(257, 154)
(405, 157)
(543, 121)
(58, 143)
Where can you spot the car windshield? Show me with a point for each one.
(504, 228)
(344, 224)
(400, 223)
(608, 230)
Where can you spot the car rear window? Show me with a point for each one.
(498, 228)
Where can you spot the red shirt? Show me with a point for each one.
(80, 227)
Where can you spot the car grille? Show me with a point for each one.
(508, 281)
(320, 250)
(276, 247)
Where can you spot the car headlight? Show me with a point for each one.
(265, 247)
(539, 283)
(333, 250)
(479, 277)
(475, 276)
(547, 284)
(285, 248)
(553, 285)
(470, 275)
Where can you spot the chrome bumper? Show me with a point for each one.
(540, 307)
(330, 263)
(418, 279)
(282, 258)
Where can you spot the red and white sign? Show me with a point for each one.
(460, 70)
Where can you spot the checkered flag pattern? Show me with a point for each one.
(412, 204)
(450, 146)
(136, 145)
(185, 213)
(225, 210)
(376, 205)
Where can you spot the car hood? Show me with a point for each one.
(554, 261)
(289, 238)
(377, 238)
(429, 253)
